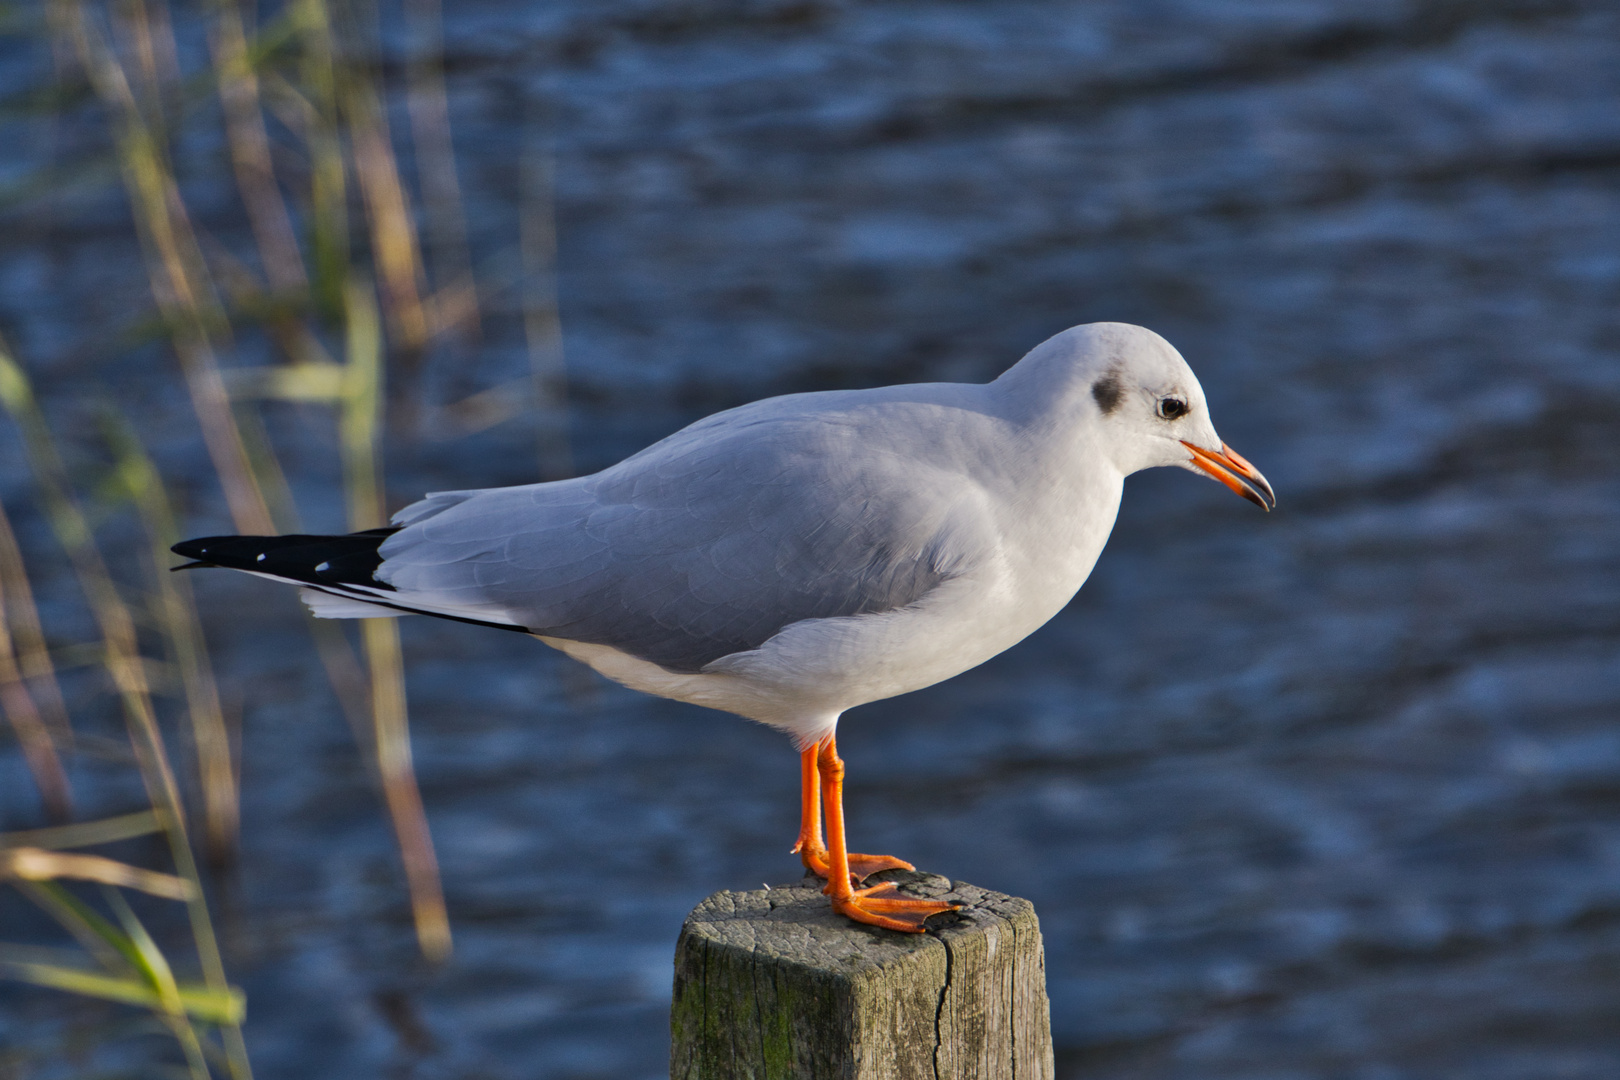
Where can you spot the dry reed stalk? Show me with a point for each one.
(356, 388)
(376, 712)
(175, 267)
(216, 766)
(455, 301)
(37, 692)
(33, 735)
(85, 833)
(359, 425)
(393, 232)
(250, 154)
(28, 636)
(38, 864)
(313, 376)
(134, 23)
(33, 738)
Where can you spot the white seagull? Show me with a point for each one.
(793, 558)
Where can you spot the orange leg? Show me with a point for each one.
(811, 847)
(878, 905)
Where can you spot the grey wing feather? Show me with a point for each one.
(434, 503)
(705, 545)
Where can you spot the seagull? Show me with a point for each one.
(795, 557)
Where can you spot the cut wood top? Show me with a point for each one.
(794, 922)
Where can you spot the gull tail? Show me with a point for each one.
(338, 573)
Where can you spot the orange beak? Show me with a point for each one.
(1229, 467)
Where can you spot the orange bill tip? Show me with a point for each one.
(1233, 469)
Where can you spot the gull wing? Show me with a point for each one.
(706, 544)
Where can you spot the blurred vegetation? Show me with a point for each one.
(338, 288)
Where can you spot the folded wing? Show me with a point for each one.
(704, 545)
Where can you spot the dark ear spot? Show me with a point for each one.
(1108, 392)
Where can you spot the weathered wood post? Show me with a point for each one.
(771, 985)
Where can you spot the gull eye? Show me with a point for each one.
(1173, 408)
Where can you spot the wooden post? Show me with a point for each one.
(771, 985)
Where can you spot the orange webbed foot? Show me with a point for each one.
(861, 867)
(880, 905)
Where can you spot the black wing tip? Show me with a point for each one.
(305, 559)
(231, 552)
(198, 548)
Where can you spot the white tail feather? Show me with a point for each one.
(325, 605)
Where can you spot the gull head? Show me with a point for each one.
(1134, 390)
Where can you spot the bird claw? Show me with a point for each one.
(880, 906)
